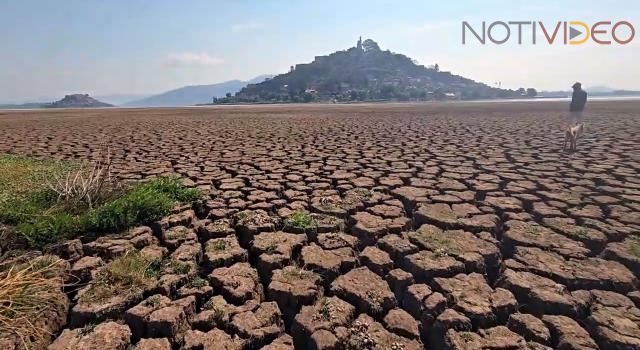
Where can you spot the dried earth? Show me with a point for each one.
(440, 226)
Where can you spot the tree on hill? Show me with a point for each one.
(370, 45)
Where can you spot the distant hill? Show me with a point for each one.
(365, 73)
(77, 101)
(195, 94)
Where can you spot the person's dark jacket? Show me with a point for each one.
(578, 100)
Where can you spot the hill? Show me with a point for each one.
(192, 95)
(364, 73)
(77, 101)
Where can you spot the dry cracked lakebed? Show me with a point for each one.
(440, 226)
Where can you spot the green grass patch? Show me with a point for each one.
(41, 218)
(20, 176)
(301, 220)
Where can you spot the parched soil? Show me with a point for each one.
(439, 226)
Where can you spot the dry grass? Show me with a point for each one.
(90, 184)
(125, 275)
(27, 291)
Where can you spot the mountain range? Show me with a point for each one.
(193, 94)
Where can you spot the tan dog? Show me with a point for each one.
(571, 135)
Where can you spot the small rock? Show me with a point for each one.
(363, 288)
(530, 327)
(153, 344)
(400, 322)
(567, 333)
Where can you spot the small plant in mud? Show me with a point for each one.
(296, 273)
(127, 274)
(533, 230)
(466, 337)
(218, 312)
(197, 282)
(219, 245)
(218, 315)
(179, 267)
(441, 245)
(301, 220)
(440, 252)
(177, 233)
(376, 302)
(581, 232)
(241, 216)
(271, 249)
(325, 310)
(88, 329)
(210, 304)
(634, 245)
(153, 301)
(359, 337)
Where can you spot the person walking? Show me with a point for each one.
(578, 100)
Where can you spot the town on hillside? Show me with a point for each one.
(365, 72)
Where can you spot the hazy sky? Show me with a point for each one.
(101, 47)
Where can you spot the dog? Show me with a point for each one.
(571, 135)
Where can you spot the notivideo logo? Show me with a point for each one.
(561, 32)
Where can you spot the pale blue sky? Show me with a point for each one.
(50, 48)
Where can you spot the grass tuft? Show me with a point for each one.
(125, 275)
(325, 311)
(197, 282)
(28, 291)
(301, 220)
(633, 245)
